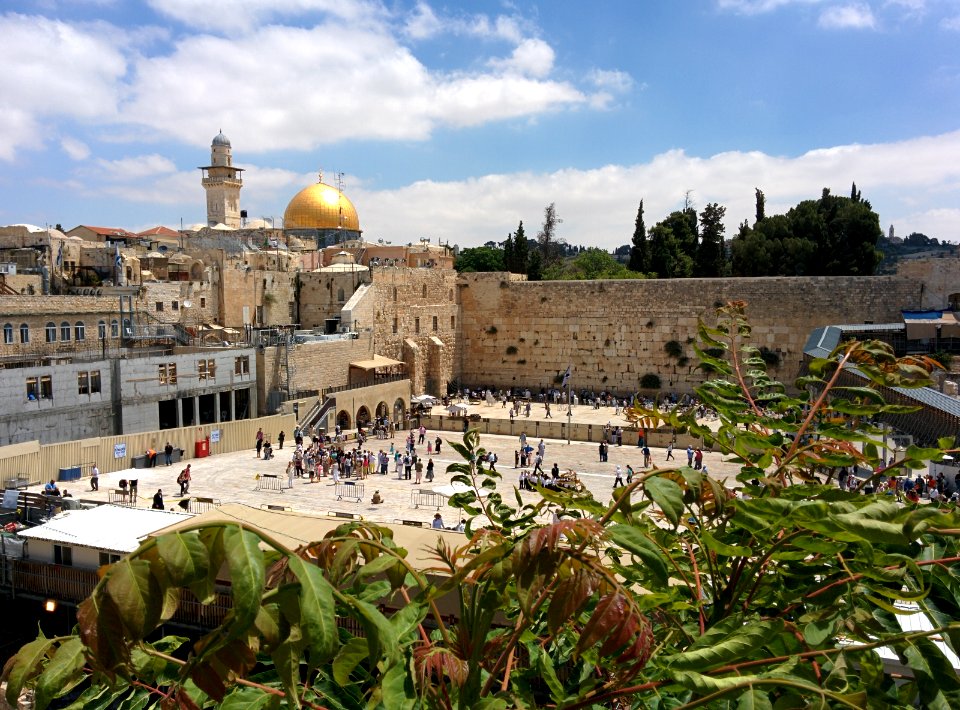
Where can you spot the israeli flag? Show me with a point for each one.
(566, 377)
(60, 256)
(119, 259)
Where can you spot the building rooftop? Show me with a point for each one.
(111, 528)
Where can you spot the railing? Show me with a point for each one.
(74, 584)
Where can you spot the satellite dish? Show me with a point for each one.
(187, 304)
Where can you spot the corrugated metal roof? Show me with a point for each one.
(111, 528)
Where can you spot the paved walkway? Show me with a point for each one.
(232, 477)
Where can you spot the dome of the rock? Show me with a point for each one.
(321, 207)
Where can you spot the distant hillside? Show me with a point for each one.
(915, 246)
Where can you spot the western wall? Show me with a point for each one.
(519, 333)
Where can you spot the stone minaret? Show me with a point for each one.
(222, 183)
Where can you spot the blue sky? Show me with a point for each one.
(455, 121)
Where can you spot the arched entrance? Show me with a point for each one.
(382, 410)
(363, 417)
(343, 420)
(399, 410)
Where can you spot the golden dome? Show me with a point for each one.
(321, 206)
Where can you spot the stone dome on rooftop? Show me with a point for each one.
(221, 139)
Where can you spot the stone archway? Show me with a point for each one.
(363, 417)
(399, 410)
(382, 410)
(343, 420)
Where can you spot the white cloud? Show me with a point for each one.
(231, 16)
(857, 16)
(907, 183)
(53, 69)
(951, 23)
(135, 167)
(532, 57)
(759, 7)
(617, 81)
(422, 22)
(293, 88)
(76, 149)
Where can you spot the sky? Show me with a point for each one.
(456, 121)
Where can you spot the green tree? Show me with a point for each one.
(711, 255)
(535, 266)
(668, 257)
(761, 204)
(592, 263)
(639, 254)
(678, 592)
(521, 252)
(479, 259)
(508, 255)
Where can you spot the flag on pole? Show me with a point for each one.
(566, 377)
(60, 256)
(119, 259)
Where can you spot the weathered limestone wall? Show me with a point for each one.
(417, 320)
(172, 295)
(323, 294)
(941, 279)
(244, 291)
(613, 332)
(314, 365)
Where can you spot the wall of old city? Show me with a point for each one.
(323, 294)
(516, 333)
(244, 291)
(166, 301)
(313, 366)
(416, 320)
(940, 277)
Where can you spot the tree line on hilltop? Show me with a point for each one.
(830, 236)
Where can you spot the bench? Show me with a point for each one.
(349, 489)
(413, 523)
(269, 506)
(40, 504)
(340, 514)
(269, 482)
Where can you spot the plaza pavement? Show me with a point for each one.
(232, 477)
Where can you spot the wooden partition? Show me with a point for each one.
(38, 463)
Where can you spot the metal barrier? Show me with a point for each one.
(202, 505)
(349, 489)
(121, 496)
(428, 499)
(270, 506)
(269, 482)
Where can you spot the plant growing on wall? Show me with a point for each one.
(673, 348)
(674, 594)
(650, 381)
(511, 350)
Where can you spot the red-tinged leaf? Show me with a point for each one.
(624, 633)
(569, 597)
(209, 681)
(101, 630)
